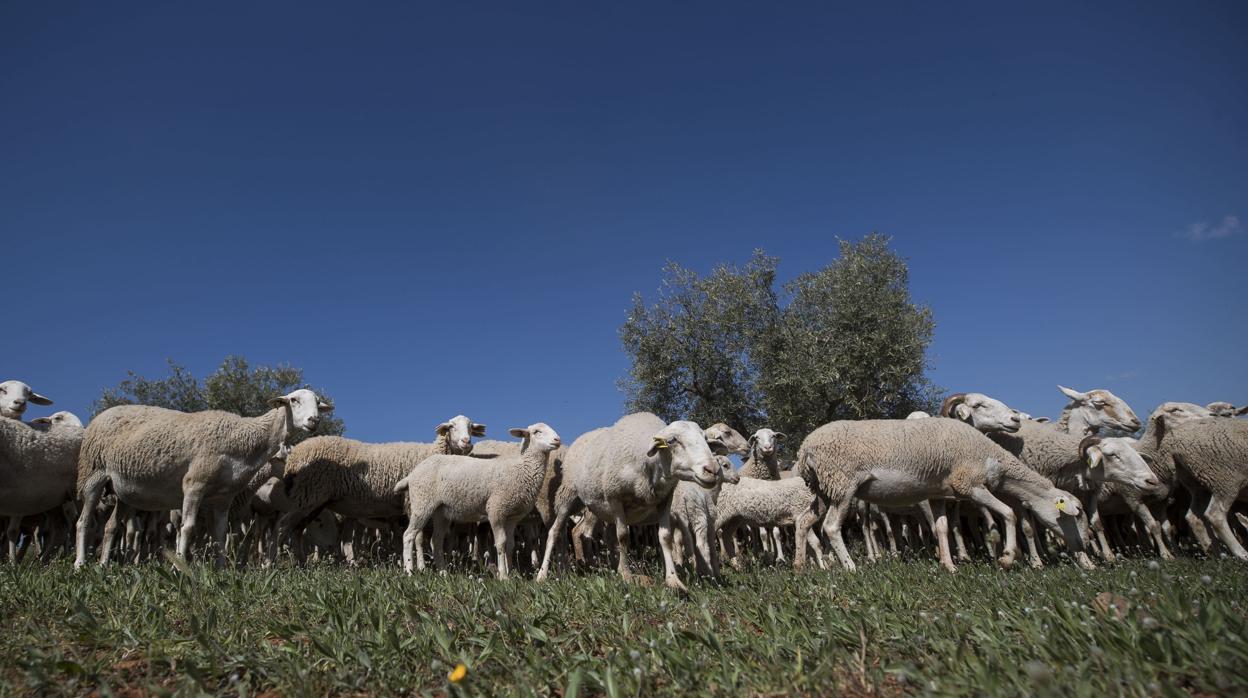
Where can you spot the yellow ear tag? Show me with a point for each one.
(659, 443)
(1061, 505)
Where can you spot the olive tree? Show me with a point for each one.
(844, 342)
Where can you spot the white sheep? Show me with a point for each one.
(627, 472)
(1226, 409)
(694, 515)
(907, 461)
(1096, 413)
(763, 463)
(1210, 458)
(463, 489)
(357, 479)
(38, 467)
(766, 504)
(158, 460)
(15, 396)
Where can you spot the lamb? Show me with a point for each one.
(763, 463)
(357, 479)
(628, 471)
(694, 516)
(1096, 413)
(1210, 457)
(15, 396)
(158, 459)
(38, 465)
(907, 461)
(463, 489)
(1226, 409)
(767, 504)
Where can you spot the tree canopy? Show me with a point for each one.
(844, 342)
(235, 386)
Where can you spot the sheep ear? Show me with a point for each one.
(478, 430)
(753, 439)
(659, 444)
(1242, 410)
(41, 420)
(1095, 456)
(946, 408)
(780, 435)
(717, 447)
(1073, 394)
(38, 399)
(442, 428)
(324, 407)
(279, 401)
(518, 432)
(962, 412)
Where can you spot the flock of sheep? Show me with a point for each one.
(968, 480)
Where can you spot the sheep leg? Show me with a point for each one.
(832, 523)
(437, 541)
(940, 528)
(1198, 504)
(220, 530)
(91, 491)
(13, 531)
(956, 524)
(502, 541)
(552, 537)
(121, 512)
(1216, 515)
(803, 536)
(1098, 527)
(983, 497)
(1150, 524)
(191, 499)
(1029, 535)
(665, 543)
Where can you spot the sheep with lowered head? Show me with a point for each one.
(906, 461)
(1226, 409)
(624, 473)
(158, 460)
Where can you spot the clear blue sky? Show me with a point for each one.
(445, 208)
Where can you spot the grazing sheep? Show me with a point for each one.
(1096, 413)
(463, 489)
(38, 467)
(158, 460)
(357, 479)
(906, 461)
(1079, 465)
(1226, 409)
(14, 397)
(1211, 460)
(626, 472)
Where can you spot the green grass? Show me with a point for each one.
(895, 627)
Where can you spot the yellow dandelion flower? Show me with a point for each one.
(458, 673)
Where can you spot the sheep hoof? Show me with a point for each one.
(1036, 563)
(1005, 562)
(674, 583)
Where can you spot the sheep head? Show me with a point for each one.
(683, 447)
(458, 432)
(982, 412)
(15, 396)
(1100, 412)
(303, 408)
